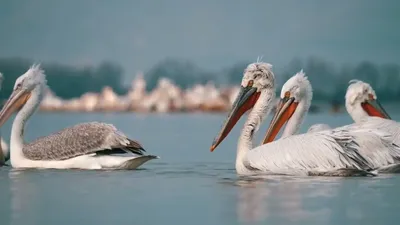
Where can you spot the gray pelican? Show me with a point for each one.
(90, 145)
(4, 153)
(374, 145)
(328, 153)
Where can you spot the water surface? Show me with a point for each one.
(188, 185)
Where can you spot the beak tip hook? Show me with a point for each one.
(212, 148)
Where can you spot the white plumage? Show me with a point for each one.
(303, 154)
(375, 145)
(330, 153)
(318, 127)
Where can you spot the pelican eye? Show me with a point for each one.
(250, 84)
(18, 86)
(371, 97)
(287, 94)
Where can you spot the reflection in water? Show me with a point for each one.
(315, 200)
(69, 197)
(24, 198)
(293, 207)
(251, 202)
(284, 199)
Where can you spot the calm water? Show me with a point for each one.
(188, 185)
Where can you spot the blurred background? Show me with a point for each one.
(189, 56)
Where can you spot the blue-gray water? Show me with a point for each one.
(188, 185)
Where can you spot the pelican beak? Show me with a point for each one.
(373, 108)
(245, 100)
(17, 99)
(286, 107)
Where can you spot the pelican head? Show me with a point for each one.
(257, 77)
(296, 90)
(361, 101)
(32, 81)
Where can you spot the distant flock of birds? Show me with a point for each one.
(166, 97)
(365, 148)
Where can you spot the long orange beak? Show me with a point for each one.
(373, 108)
(245, 100)
(284, 112)
(17, 99)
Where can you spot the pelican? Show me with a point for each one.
(4, 153)
(362, 102)
(328, 153)
(362, 105)
(366, 111)
(374, 145)
(90, 145)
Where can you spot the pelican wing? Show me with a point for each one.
(389, 126)
(373, 137)
(81, 139)
(310, 152)
(377, 147)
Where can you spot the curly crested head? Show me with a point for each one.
(260, 76)
(28, 90)
(359, 91)
(33, 77)
(361, 101)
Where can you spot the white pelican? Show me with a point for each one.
(374, 145)
(83, 146)
(4, 153)
(329, 153)
(362, 102)
(366, 111)
(362, 105)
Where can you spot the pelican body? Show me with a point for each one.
(375, 146)
(91, 145)
(328, 153)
